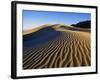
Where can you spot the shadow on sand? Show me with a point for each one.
(40, 37)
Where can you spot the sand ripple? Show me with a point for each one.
(71, 48)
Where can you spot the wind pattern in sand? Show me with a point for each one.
(56, 46)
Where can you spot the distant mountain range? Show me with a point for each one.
(83, 24)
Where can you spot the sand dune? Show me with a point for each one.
(56, 46)
(25, 32)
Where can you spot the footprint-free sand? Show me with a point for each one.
(56, 46)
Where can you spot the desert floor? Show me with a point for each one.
(56, 46)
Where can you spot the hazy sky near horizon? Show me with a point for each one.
(32, 19)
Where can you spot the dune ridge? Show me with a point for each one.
(70, 48)
(25, 32)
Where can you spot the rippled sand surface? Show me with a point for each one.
(56, 46)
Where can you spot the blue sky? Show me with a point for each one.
(32, 19)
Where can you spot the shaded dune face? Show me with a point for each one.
(56, 47)
(39, 37)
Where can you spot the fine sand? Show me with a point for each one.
(56, 46)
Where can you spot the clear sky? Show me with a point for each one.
(32, 19)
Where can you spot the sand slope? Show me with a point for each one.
(56, 46)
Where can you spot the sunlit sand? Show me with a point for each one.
(56, 46)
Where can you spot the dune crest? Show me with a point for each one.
(56, 46)
(25, 32)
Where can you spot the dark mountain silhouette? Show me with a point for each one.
(83, 24)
